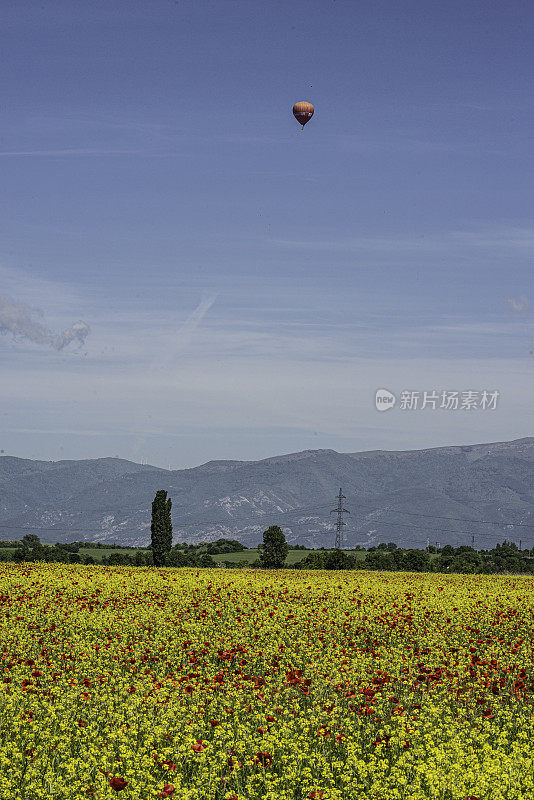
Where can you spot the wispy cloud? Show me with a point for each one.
(19, 320)
(521, 304)
(73, 151)
(503, 238)
(61, 431)
(194, 319)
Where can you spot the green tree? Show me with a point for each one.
(338, 559)
(117, 560)
(30, 540)
(313, 560)
(143, 558)
(33, 549)
(177, 558)
(275, 549)
(161, 527)
(380, 560)
(416, 561)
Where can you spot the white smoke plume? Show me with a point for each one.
(518, 305)
(77, 332)
(18, 319)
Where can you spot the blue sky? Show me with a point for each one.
(248, 285)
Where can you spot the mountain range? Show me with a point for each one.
(480, 493)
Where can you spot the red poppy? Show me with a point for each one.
(265, 759)
(169, 764)
(315, 795)
(167, 790)
(270, 718)
(118, 784)
(214, 723)
(198, 747)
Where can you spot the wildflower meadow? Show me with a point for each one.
(279, 685)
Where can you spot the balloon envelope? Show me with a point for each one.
(303, 112)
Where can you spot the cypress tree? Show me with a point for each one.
(161, 527)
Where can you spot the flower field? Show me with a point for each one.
(225, 685)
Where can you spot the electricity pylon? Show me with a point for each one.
(340, 522)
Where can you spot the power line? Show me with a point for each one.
(463, 519)
(428, 530)
(455, 519)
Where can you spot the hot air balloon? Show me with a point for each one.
(303, 112)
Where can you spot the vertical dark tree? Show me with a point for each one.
(161, 527)
(275, 549)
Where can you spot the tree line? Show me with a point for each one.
(273, 551)
(503, 558)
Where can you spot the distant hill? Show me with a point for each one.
(445, 494)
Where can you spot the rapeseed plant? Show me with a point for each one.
(232, 685)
